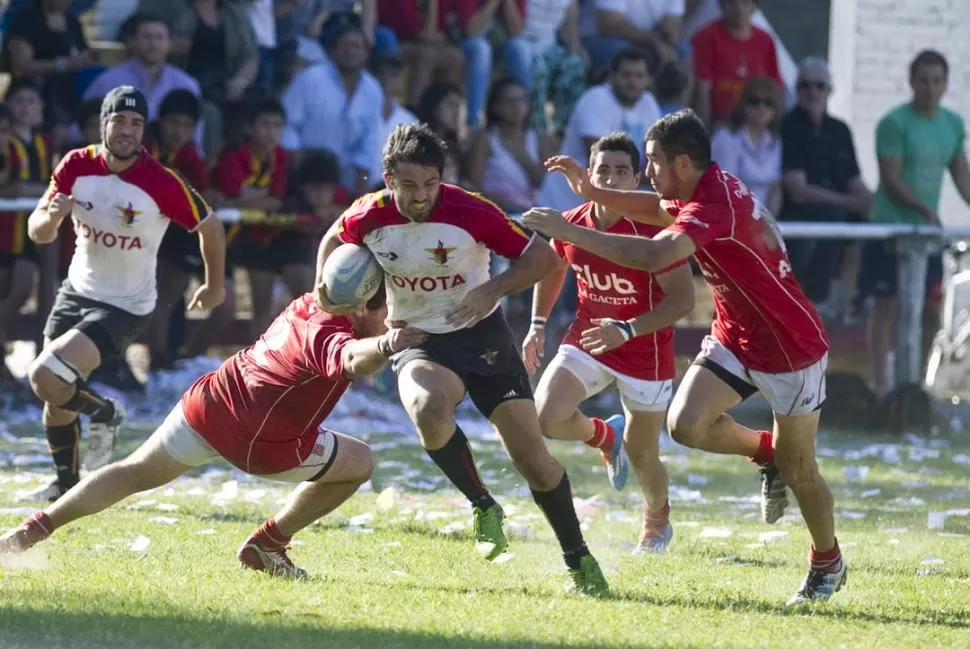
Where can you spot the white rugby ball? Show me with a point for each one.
(351, 275)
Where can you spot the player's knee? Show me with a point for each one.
(429, 409)
(549, 419)
(52, 378)
(363, 464)
(641, 448)
(687, 425)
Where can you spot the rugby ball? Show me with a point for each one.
(351, 275)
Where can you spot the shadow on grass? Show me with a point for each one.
(56, 629)
(730, 602)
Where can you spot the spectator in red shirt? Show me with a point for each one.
(727, 53)
(252, 176)
(179, 258)
(428, 53)
(317, 191)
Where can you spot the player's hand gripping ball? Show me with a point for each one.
(351, 276)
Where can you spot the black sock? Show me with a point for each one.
(558, 507)
(456, 462)
(63, 442)
(88, 402)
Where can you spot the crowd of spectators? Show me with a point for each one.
(283, 106)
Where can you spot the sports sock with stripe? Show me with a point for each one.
(456, 462)
(63, 442)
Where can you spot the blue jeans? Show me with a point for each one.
(516, 55)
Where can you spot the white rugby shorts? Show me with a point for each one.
(638, 395)
(788, 393)
(187, 446)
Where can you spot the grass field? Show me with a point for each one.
(396, 568)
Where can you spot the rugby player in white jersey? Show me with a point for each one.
(434, 242)
(121, 201)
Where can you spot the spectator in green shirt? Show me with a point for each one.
(916, 144)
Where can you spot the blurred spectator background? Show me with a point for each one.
(283, 106)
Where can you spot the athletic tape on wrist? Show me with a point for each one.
(538, 322)
(625, 327)
(384, 347)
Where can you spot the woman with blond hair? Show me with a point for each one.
(749, 146)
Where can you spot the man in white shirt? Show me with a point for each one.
(621, 104)
(648, 24)
(338, 106)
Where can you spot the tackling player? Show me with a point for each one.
(622, 335)
(766, 335)
(434, 242)
(121, 201)
(262, 411)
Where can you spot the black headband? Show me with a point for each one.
(124, 98)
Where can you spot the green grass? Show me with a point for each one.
(407, 584)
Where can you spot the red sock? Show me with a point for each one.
(766, 453)
(826, 561)
(270, 537)
(42, 521)
(604, 437)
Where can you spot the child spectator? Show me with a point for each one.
(252, 176)
(10, 241)
(171, 142)
(27, 168)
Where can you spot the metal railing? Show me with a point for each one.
(914, 245)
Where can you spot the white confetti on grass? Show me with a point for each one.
(164, 520)
(140, 544)
(715, 533)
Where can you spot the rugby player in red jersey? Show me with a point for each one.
(766, 335)
(121, 201)
(622, 335)
(434, 242)
(262, 411)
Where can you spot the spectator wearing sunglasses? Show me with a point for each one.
(820, 182)
(749, 146)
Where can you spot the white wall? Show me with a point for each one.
(871, 43)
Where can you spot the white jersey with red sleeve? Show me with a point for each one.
(120, 220)
(260, 410)
(762, 315)
(608, 290)
(429, 266)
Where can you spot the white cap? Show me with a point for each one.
(817, 65)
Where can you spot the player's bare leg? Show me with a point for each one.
(261, 291)
(148, 467)
(265, 549)
(518, 425)
(795, 458)
(697, 418)
(172, 283)
(558, 396)
(59, 378)
(642, 437)
(429, 393)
